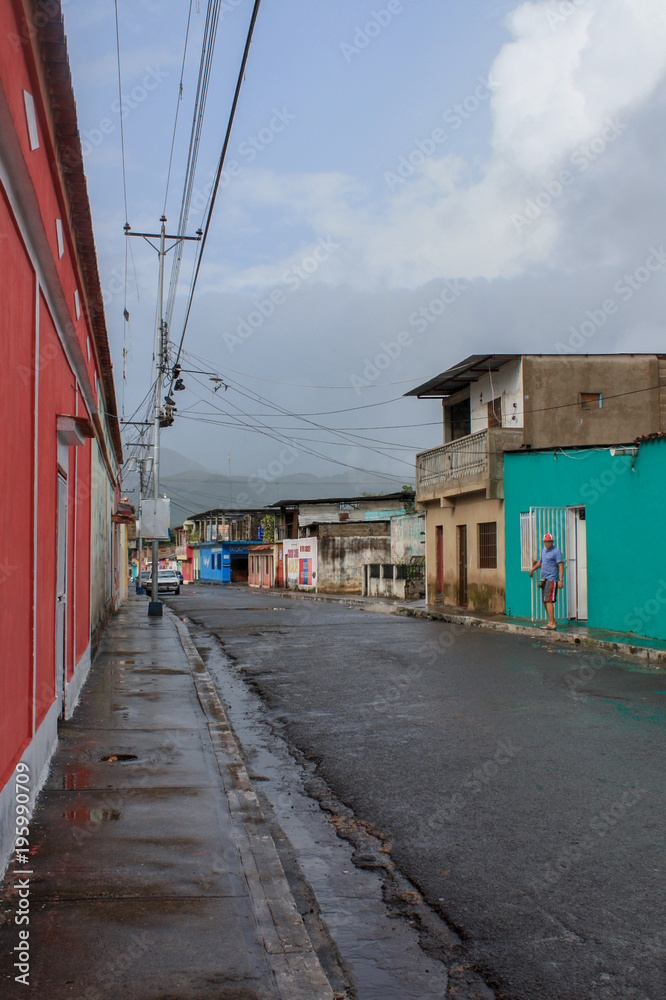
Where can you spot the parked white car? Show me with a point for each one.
(167, 580)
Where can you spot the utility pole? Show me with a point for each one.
(144, 475)
(155, 605)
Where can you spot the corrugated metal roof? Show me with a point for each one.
(402, 495)
(463, 374)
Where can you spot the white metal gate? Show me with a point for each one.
(567, 525)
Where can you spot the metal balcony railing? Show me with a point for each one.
(468, 456)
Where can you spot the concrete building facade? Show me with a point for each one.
(494, 404)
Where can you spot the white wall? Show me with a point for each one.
(507, 383)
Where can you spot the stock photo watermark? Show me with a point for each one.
(291, 281)
(563, 11)
(410, 163)
(44, 11)
(625, 288)
(365, 34)
(93, 138)
(247, 150)
(22, 875)
(582, 158)
(476, 781)
(420, 320)
(598, 827)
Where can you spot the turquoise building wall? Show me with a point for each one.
(625, 511)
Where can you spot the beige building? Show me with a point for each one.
(493, 403)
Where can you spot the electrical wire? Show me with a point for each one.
(120, 100)
(298, 385)
(347, 438)
(345, 433)
(268, 432)
(178, 103)
(220, 166)
(198, 115)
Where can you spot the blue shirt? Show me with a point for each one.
(549, 560)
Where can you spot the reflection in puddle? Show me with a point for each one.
(98, 814)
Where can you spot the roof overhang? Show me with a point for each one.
(73, 431)
(462, 375)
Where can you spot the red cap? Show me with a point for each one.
(547, 537)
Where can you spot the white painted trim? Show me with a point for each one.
(60, 238)
(35, 516)
(74, 687)
(37, 756)
(31, 119)
(77, 303)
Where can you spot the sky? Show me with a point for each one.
(408, 182)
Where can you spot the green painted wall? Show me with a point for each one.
(625, 511)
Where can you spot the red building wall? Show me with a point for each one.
(57, 394)
(17, 314)
(53, 360)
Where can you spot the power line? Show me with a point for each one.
(342, 434)
(234, 105)
(120, 99)
(268, 432)
(178, 101)
(198, 114)
(296, 385)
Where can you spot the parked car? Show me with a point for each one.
(167, 580)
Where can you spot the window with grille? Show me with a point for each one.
(495, 412)
(488, 545)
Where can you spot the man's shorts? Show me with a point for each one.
(549, 592)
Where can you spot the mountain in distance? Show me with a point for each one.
(172, 463)
(193, 488)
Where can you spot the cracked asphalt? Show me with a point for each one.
(520, 787)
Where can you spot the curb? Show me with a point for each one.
(294, 962)
(654, 659)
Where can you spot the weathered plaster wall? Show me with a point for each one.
(552, 384)
(407, 537)
(341, 561)
(485, 587)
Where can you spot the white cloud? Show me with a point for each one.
(557, 85)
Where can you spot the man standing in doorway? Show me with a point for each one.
(552, 578)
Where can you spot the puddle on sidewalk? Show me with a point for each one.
(381, 952)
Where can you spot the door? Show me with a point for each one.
(462, 565)
(280, 566)
(61, 592)
(576, 563)
(439, 533)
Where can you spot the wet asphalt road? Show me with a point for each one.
(521, 785)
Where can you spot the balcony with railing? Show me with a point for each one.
(469, 464)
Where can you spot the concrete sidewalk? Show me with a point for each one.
(152, 872)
